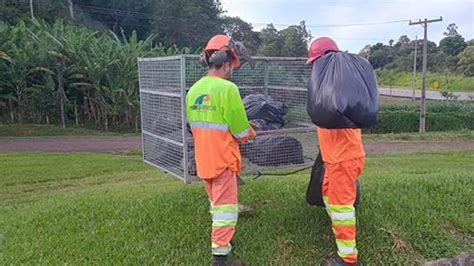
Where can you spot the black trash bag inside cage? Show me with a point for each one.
(264, 125)
(273, 151)
(314, 193)
(260, 107)
(343, 92)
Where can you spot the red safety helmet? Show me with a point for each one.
(320, 47)
(223, 43)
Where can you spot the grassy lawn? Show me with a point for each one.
(416, 137)
(109, 209)
(32, 130)
(451, 83)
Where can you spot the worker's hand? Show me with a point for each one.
(253, 126)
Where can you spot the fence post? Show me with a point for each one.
(266, 77)
(183, 118)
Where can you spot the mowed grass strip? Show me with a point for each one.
(82, 208)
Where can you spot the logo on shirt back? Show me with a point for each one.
(203, 103)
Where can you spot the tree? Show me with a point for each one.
(13, 11)
(452, 45)
(451, 30)
(381, 55)
(187, 23)
(116, 15)
(295, 41)
(271, 41)
(365, 52)
(466, 61)
(241, 31)
(391, 42)
(403, 40)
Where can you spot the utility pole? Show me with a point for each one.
(71, 8)
(414, 68)
(424, 23)
(31, 9)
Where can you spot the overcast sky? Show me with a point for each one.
(319, 14)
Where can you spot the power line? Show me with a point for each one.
(114, 12)
(340, 25)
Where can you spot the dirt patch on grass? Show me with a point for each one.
(400, 246)
(461, 260)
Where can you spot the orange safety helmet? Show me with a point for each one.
(320, 47)
(222, 43)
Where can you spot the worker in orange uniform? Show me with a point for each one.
(219, 122)
(344, 157)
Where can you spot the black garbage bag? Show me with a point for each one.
(263, 125)
(273, 151)
(258, 106)
(343, 92)
(314, 193)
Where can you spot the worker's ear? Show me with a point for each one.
(227, 66)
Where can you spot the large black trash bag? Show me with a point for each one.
(273, 151)
(258, 106)
(314, 193)
(263, 125)
(343, 92)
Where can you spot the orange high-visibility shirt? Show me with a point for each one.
(340, 145)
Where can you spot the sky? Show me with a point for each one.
(324, 18)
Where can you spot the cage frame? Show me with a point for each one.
(183, 88)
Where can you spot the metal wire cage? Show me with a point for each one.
(167, 141)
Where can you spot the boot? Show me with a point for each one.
(225, 261)
(337, 261)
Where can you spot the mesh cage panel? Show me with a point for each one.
(161, 101)
(161, 75)
(164, 154)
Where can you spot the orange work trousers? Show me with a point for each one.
(222, 191)
(339, 194)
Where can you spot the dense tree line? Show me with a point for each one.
(180, 23)
(454, 55)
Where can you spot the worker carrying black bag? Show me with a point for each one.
(343, 92)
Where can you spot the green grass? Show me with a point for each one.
(33, 130)
(112, 209)
(405, 80)
(429, 136)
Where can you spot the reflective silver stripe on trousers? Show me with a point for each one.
(342, 215)
(228, 216)
(221, 250)
(242, 134)
(344, 249)
(210, 125)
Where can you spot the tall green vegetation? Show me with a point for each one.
(64, 72)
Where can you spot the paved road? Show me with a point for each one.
(430, 94)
